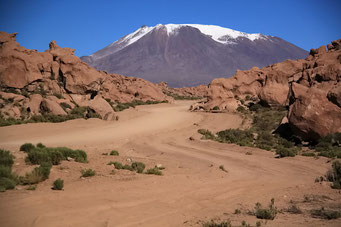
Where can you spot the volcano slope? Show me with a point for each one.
(192, 190)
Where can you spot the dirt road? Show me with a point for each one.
(192, 189)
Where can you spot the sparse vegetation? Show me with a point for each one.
(325, 214)
(122, 106)
(114, 153)
(265, 121)
(58, 184)
(237, 136)
(117, 165)
(37, 175)
(138, 166)
(58, 95)
(88, 172)
(334, 175)
(65, 106)
(237, 211)
(32, 187)
(223, 168)
(206, 134)
(154, 171)
(308, 154)
(128, 167)
(286, 152)
(27, 147)
(330, 146)
(293, 209)
(181, 97)
(8, 180)
(266, 213)
(77, 112)
(213, 223)
(135, 166)
(42, 154)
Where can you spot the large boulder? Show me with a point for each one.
(315, 94)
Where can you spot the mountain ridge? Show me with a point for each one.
(190, 55)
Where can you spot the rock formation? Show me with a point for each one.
(310, 88)
(55, 81)
(315, 94)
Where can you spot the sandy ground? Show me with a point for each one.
(193, 188)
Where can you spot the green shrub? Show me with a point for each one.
(154, 171)
(237, 211)
(88, 172)
(55, 155)
(330, 146)
(266, 213)
(325, 214)
(128, 167)
(6, 158)
(27, 147)
(138, 166)
(114, 153)
(38, 174)
(58, 95)
(206, 134)
(215, 108)
(217, 224)
(58, 184)
(77, 155)
(309, 154)
(117, 165)
(293, 209)
(31, 187)
(8, 180)
(5, 171)
(37, 157)
(237, 136)
(134, 103)
(79, 111)
(266, 141)
(7, 183)
(334, 175)
(65, 105)
(40, 145)
(286, 152)
(241, 109)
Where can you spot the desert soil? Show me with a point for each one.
(192, 189)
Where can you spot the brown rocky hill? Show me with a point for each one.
(55, 82)
(310, 89)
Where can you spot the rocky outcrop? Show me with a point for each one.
(268, 85)
(309, 88)
(315, 96)
(34, 83)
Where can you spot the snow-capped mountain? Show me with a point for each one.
(190, 54)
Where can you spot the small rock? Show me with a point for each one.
(191, 138)
(129, 160)
(159, 166)
(70, 159)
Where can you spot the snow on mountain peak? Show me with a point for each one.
(217, 33)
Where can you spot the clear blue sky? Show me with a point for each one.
(89, 25)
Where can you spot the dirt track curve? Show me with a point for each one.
(193, 188)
